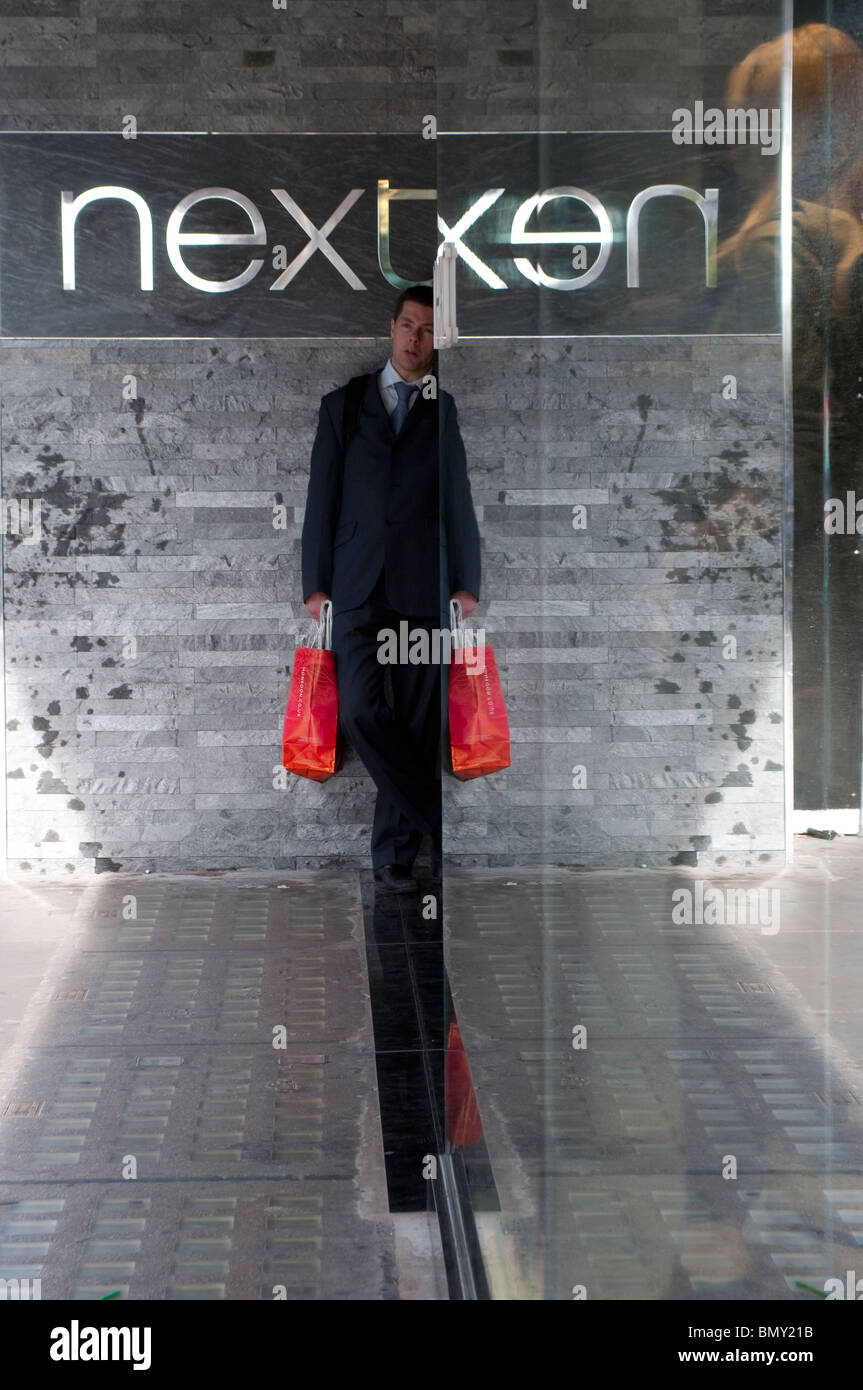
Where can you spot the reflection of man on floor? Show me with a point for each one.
(382, 487)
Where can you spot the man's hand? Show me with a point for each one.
(467, 601)
(313, 604)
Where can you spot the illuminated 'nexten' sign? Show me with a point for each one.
(521, 234)
(311, 237)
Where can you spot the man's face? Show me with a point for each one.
(413, 340)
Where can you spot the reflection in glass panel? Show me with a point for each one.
(658, 378)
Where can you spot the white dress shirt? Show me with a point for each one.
(386, 385)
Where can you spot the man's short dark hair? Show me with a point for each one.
(420, 294)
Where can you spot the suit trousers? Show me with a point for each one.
(397, 742)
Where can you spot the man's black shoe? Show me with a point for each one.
(395, 878)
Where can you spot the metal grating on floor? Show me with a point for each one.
(267, 1241)
(189, 1108)
(663, 1120)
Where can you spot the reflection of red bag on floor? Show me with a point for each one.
(310, 737)
(463, 1124)
(478, 726)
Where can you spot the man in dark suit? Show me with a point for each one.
(390, 534)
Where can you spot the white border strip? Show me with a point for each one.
(845, 821)
(785, 206)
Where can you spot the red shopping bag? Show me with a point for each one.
(310, 736)
(463, 1123)
(478, 725)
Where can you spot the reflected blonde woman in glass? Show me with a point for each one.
(827, 348)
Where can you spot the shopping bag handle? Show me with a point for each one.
(324, 634)
(456, 623)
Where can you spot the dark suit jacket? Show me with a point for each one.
(401, 504)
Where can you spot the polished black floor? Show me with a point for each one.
(426, 1098)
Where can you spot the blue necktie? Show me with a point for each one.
(404, 389)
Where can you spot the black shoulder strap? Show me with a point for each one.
(354, 393)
